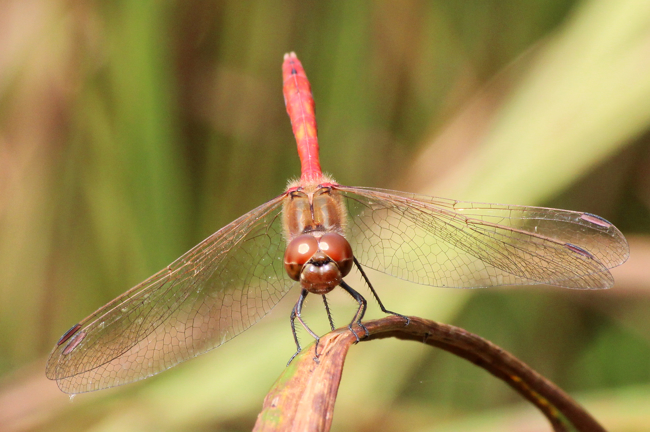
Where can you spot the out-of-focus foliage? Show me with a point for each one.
(131, 130)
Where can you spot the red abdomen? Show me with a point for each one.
(300, 107)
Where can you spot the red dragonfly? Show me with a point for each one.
(229, 281)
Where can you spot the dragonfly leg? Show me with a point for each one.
(363, 304)
(374, 293)
(329, 314)
(296, 313)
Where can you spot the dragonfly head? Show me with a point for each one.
(318, 263)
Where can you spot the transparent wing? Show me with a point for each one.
(206, 297)
(448, 243)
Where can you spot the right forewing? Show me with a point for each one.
(206, 297)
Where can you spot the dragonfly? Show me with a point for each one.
(310, 237)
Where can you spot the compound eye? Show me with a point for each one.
(339, 250)
(298, 252)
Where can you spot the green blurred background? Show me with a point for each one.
(131, 130)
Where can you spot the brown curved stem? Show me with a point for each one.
(303, 397)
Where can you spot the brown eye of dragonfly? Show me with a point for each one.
(337, 248)
(298, 252)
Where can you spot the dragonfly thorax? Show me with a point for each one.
(313, 208)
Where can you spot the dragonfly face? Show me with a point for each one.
(319, 263)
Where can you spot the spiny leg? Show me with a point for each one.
(360, 312)
(295, 313)
(329, 314)
(374, 293)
